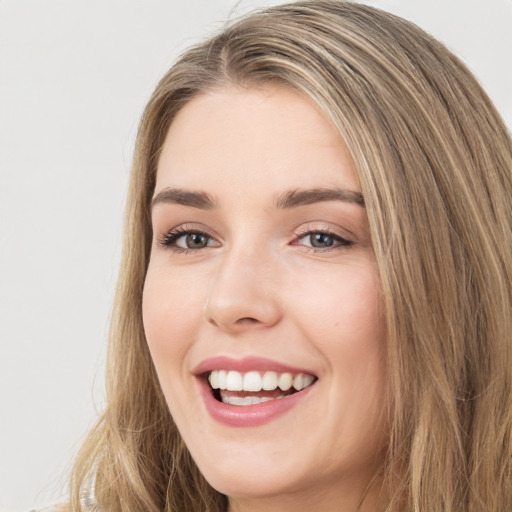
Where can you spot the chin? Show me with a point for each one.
(255, 483)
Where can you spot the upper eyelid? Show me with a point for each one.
(189, 228)
(186, 229)
(315, 227)
(300, 231)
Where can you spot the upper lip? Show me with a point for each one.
(246, 364)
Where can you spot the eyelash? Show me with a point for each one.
(338, 241)
(170, 239)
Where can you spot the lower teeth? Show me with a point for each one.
(242, 398)
(248, 400)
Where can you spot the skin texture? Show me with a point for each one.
(258, 288)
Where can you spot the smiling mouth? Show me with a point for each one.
(254, 387)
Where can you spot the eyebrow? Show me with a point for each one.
(200, 200)
(299, 197)
(290, 199)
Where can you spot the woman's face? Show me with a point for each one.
(262, 275)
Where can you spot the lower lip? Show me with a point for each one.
(248, 415)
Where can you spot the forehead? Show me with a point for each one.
(234, 138)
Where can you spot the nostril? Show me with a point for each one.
(247, 320)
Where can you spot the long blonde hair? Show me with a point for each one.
(435, 165)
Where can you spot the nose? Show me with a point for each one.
(243, 294)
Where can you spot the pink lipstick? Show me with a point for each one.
(251, 391)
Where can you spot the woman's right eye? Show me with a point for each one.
(182, 241)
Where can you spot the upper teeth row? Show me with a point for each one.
(255, 381)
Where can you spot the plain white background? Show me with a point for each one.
(74, 78)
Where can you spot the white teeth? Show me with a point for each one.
(246, 400)
(254, 381)
(223, 374)
(269, 381)
(240, 400)
(285, 381)
(302, 380)
(214, 380)
(234, 381)
(307, 380)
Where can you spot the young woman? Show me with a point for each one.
(314, 306)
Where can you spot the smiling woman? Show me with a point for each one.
(270, 287)
(313, 309)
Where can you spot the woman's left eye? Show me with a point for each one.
(320, 240)
(179, 240)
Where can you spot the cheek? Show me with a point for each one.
(171, 313)
(343, 306)
(345, 322)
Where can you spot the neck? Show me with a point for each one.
(335, 498)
